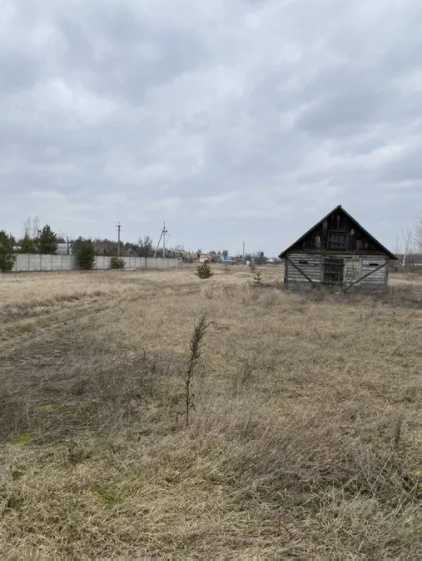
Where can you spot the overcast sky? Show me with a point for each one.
(231, 119)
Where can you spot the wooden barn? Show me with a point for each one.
(339, 252)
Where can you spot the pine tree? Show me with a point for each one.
(85, 253)
(203, 271)
(7, 259)
(47, 241)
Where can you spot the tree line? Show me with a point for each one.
(45, 242)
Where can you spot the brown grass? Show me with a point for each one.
(305, 441)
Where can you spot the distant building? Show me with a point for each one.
(337, 251)
(64, 248)
(204, 258)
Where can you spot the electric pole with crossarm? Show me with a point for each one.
(163, 235)
(119, 227)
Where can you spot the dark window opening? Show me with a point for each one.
(333, 270)
(374, 264)
(303, 262)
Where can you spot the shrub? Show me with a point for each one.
(204, 271)
(7, 259)
(257, 279)
(85, 253)
(117, 263)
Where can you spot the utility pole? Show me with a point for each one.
(165, 232)
(118, 238)
(243, 250)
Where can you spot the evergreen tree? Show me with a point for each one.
(203, 271)
(47, 242)
(85, 253)
(7, 259)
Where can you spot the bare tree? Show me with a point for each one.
(27, 226)
(35, 227)
(407, 239)
(418, 235)
(145, 247)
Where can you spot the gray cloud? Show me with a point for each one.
(242, 120)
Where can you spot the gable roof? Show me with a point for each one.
(355, 223)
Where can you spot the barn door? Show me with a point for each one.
(333, 270)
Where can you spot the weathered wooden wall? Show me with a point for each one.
(355, 267)
(309, 263)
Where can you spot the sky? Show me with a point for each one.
(234, 121)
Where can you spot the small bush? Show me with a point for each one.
(204, 271)
(257, 279)
(85, 253)
(117, 263)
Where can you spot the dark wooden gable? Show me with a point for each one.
(338, 232)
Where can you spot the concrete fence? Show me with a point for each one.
(30, 262)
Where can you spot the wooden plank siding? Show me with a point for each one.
(378, 278)
(310, 264)
(299, 265)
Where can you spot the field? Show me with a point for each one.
(304, 441)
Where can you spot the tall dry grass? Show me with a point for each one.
(304, 442)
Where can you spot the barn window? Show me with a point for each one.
(336, 240)
(374, 264)
(303, 262)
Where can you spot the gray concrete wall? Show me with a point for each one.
(26, 262)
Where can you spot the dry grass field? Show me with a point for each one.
(305, 440)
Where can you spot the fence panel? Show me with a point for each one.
(27, 262)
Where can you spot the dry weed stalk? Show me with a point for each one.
(195, 354)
